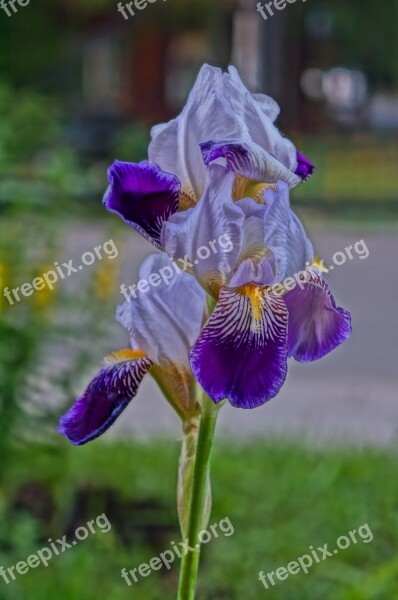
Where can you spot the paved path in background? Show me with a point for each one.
(351, 396)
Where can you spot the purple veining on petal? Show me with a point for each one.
(305, 168)
(213, 150)
(104, 400)
(143, 195)
(250, 160)
(316, 325)
(241, 353)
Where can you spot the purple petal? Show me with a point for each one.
(241, 353)
(250, 160)
(143, 195)
(316, 325)
(305, 168)
(105, 398)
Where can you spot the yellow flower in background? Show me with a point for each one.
(105, 280)
(43, 299)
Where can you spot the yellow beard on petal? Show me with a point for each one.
(127, 354)
(187, 198)
(319, 265)
(255, 294)
(248, 188)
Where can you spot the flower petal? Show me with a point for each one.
(208, 113)
(285, 235)
(250, 160)
(166, 319)
(106, 397)
(260, 272)
(256, 262)
(242, 351)
(213, 229)
(259, 113)
(316, 325)
(304, 168)
(143, 195)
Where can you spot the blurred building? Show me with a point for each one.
(331, 65)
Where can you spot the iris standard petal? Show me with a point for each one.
(210, 235)
(259, 113)
(241, 353)
(260, 272)
(106, 397)
(316, 325)
(166, 319)
(207, 114)
(143, 195)
(285, 235)
(250, 160)
(255, 258)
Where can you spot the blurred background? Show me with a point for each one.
(80, 85)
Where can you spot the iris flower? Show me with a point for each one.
(221, 120)
(241, 125)
(220, 170)
(162, 325)
(271, 300)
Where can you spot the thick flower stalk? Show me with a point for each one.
(220, 170)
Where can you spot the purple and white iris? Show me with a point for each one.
(221, 168)
(162, 325)
(241, 353)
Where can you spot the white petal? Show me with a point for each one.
(208, 114)
(260, 112)
(285, 235)
(209, 235)
(265, 105)
(165, 320)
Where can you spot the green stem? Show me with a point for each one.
(190, 561)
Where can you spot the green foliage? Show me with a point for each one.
(365, 35)
(29, 123)
(37, 167)
(280, 499)
(131, 143)
(41, 358)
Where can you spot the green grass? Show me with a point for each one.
(356, 171)
(280, 499)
